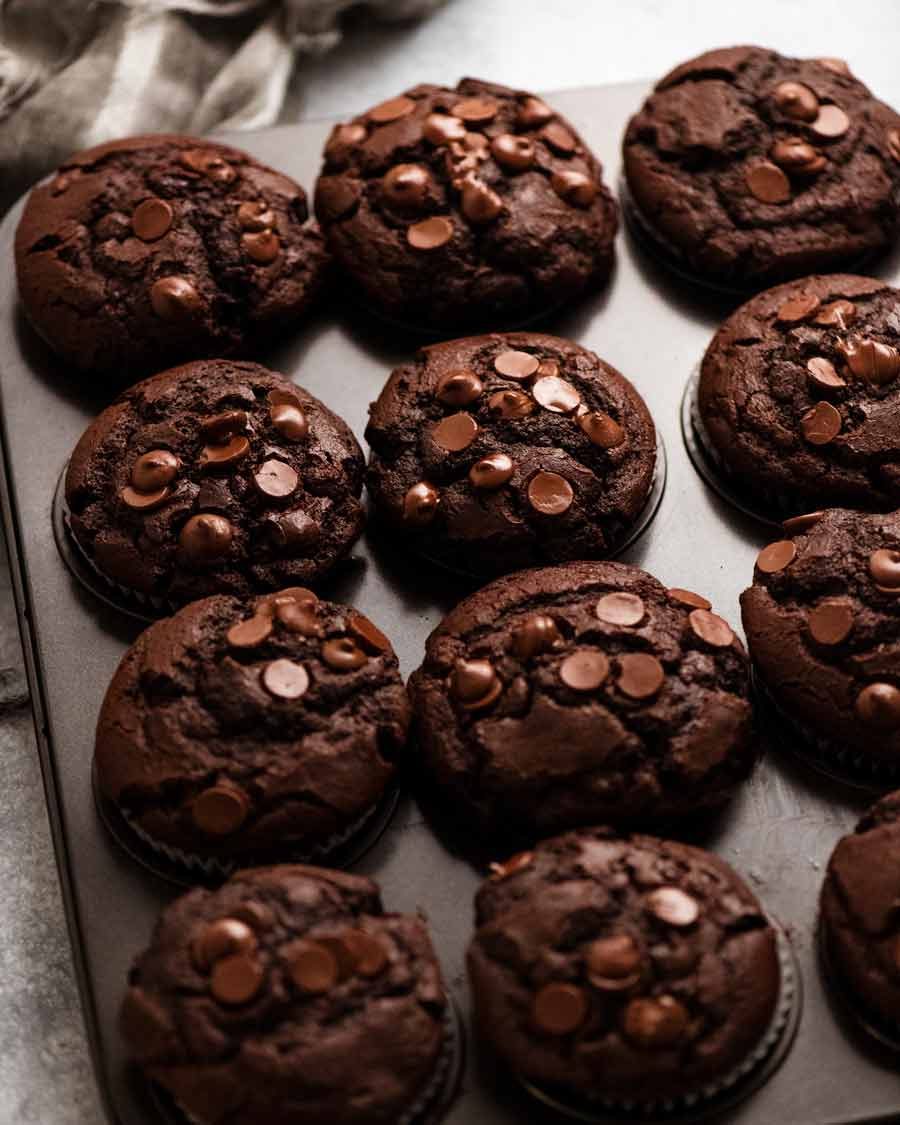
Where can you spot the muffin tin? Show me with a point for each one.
(778, 833)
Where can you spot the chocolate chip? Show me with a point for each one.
(343, 138)
(869, 359)
(799, 308)
(206, 537)
(367, 633)
(513, 153)
(884, 566)
(673, 906)
(688, 597)
(154, 470)
(256, 915)
(768, 183)
(548, 367)
(584, 670)
(220, 810)
(510, 404)
(620, 609)
(556, 394)
(492, 471)
(574, 187)
(285, 679)
(236, 979)
(218, 427)
(892, 138)
(601, 430)
(822, 374)
(559, 1008)
(290, 595)
(640, 675)
(797, 524)
(518, 862)
(831, 122)
(368, 953)
(455, 432)
(152, 219)
(537, 634)
(430, 234)
(313, 967)
(711, 628)
(837, 314)
(208, 164)
(144, 501)
(477, 109)
(480, 203)
(796, 101)
(550, 494)
(293, 533)
(458, 388)
(836, 66)
(442, 128)
(222, 938)
(613, 963)
(337, 196)
(289, 420)
(534, 112)
(655, 1022)
(391, 110)
(878, 705)
(255, 215)
(516, 365)
(343, 654)
(830, 622)
(798, 157)
(275, 480)
(420, 504)
(225, 455)
(558, 138)
(776, 556)
(299, 617)
(821, 424)
(474, 684)
(407, 185)
(250, 632)
(174, 298)
(262, 246)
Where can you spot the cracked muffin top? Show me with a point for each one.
(287, 996)
(621, 967)
(859, 912)
(799, 394)
(752, 168)
(822, 620)
(153, 250)
(465, 207)
(582, 694)
(494, 453)
(216, 477)
(236, 727)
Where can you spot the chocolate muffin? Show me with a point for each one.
(623, 969)
(239, 728)
(465, 207)
(859, 923)
(799, 394)
(215, 477)
(747, 168)
(498, 452)
(153, 250)
(822, 620)
(582, 694)
(288, 997)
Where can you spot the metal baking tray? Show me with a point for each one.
(778, 832)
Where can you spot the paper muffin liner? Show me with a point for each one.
(176, 865)
(733, 1087)
(872, 1023)
(430, 1103)
(763, 504)
(81, 566)
(632, 534)
(837, 762)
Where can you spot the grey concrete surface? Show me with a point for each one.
(45, 1074)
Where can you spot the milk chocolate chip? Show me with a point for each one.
(474, 684)
(220, 810)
